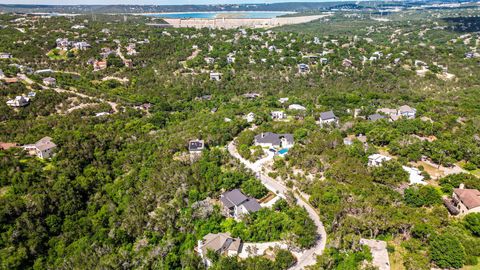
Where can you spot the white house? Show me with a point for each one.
(328, 118)
(250, 117)
(235, 204)
(407, 112)
(270, 139)
(303, 68)
(283, 100)
(209, 60)
(19, 101)
(278, 115)
(43, 148)
(376, 160)
(215, 76)
(5, 55)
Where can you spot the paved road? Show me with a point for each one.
(308, 257)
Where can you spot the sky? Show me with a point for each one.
(146, 2)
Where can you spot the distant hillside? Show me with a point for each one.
(291, 6)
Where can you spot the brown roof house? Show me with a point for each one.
(43, 148)
(466, 200)
(235, 204)
(220, 243)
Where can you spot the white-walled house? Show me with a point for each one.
(18, 101)
(43, 148)
(278, 115)
(376, 160)
(220, 243)
(270, 139)
(328, 118)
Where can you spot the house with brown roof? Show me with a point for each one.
(6, 145)
(466, 200)
(220, 243)
(43, 148)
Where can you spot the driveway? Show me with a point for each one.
(308, 257)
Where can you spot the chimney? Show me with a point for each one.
(462, 186)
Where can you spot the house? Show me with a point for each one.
(414, 175)
(44, 71)
(230, 59)
(270, 139)
(215, 76)
(49, 81)
(347, 63)
(196, 146)
(100, 114)
(407, 112)
(466, 200)
(62, 43)
(81, 45)
(278, 115)
(251, 95)
(209, 60)
(283, 100)
(220, 243)
(297, 107)
(328, 118)
(128, 63)
(99, 65)
(43, 148)
(19, 101)
(235, 204)
(351, 138)
(376, 160)
(5, 55)
(323, 61)
(375, 117)
(303, 68)
(250, 117)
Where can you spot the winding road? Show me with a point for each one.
(308, 257)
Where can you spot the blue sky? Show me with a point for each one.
(145, 2)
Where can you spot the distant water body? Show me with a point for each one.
(213, 15)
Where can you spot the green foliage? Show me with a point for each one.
(449, 182)
(390, 173)
(447, 252)
(254, 188)
(419, 196)
(472, 222)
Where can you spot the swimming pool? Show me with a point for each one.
(283, 151)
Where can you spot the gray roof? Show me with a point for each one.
(327, 115)
(252, 205)
(45, 143)
(375, 117)
(273, 138)
(233, 197)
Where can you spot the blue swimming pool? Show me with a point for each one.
(283, 151)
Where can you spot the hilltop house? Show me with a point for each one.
(235, 204)
(376, 160)
(99, 65)
(251, 95)
(209, 60)
(407, 112)
(220, 243)
(270, 139)
(303, 68)
(278, 115)
(328, 118)
(19, 101)
(5, 56)
(250, 117)
(196, 146)
(49, 81)
(81, 45)
(43, 148)
(466, 200)
(375, 117)
(215, 76)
